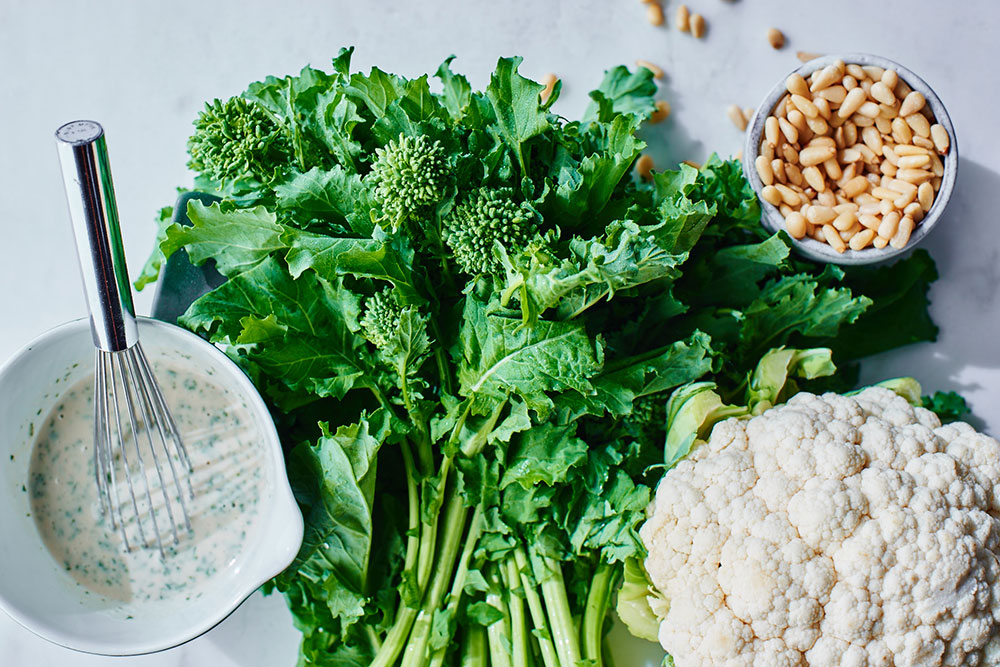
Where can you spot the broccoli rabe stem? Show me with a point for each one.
(458, 582)
(475, 652)
(564, 634)
(598, 599)
(536, 609)
(519, 636)
(498, 633)
(451, 539)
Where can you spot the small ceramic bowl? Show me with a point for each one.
(821, 252)
(34, 589)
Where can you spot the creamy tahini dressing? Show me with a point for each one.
(229, 477)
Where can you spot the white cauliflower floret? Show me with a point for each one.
(833, 530)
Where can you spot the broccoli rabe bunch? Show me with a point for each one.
(467, 316)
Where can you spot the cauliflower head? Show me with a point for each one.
(839, 531)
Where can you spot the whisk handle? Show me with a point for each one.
(83, 155)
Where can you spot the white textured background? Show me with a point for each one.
(144, 68)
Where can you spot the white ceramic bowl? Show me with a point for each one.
(821, 252)
(33, 588)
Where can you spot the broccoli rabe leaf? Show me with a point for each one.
(517, 104)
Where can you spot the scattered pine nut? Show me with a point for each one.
(549, 81)
(654, 13)
(691, 163)
(806, 56)
(644, 167)
(735, 114)
(775, 38)
(698, 25)
(655, 69)
(683, 18)
(661, 113)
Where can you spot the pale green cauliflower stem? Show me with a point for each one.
(833, 530)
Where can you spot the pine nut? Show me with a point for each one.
(825, 78)
(852, 102)
(855, 70)
(913, 103)
(764, 170)
(817, 233)
(771, 195)
(878, 242)
(902, 235)
(887, 228)
(698, 25)
(833, 94)
(850, 133)
(890, 78)
(841, 67)
(866, 86)
(796, 85)
(661, 113)
(862, 121)
(890, 154)
(796, 118)
(813, 155)
(901, 132)
(771, 130)
(884, 193)
(654, 13)
(902, 187)
(820, 215)
(788, 195)
(833, 238)
(902, 90)
(887, 112)
(885, 207)
(884, 125)
(549, 81)
(845, 220)
(869, 221)
(919, 124)
(925, 195)
(867, 154)
(903, 200)
(804, 105)
(826, 198)
(915, 176)
(796, 225)
(683, 18)
(644, 167)
(855, 186)
(794, 174)
(814, 178)
(861, 240)
(915, 211)
(775, 38)
(914, 161)
(655, 69)
(849, 83)
(869, 110)
(864, 199)
(941, 140)
(787, 129)
(823, 107)
(883, 93)
(873, 72)
(923, 142)
(832, 168)
(778, 167)
(806, 56)
(887, 168)
(736, 116)
(872, 139)
(909, 149)
(817, 125)
(691, 163)
(850, 154)
(848, 234)
(937, 167)
(767, 150)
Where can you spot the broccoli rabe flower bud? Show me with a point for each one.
(381, 318)
(235, 140)
(648, 420)
(483, 219)
(411, 174)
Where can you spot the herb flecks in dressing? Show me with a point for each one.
(228, 480)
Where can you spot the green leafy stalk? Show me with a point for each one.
(602, 586)
(560, 617)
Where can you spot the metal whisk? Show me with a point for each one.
(132, 423)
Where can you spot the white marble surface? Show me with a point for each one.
(144, 68)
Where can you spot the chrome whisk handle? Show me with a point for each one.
(90, 193)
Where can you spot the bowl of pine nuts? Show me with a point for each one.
(854, 156)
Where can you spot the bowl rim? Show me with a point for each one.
(772, 219)
(283, 504)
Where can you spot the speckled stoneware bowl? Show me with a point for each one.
(821, 252)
